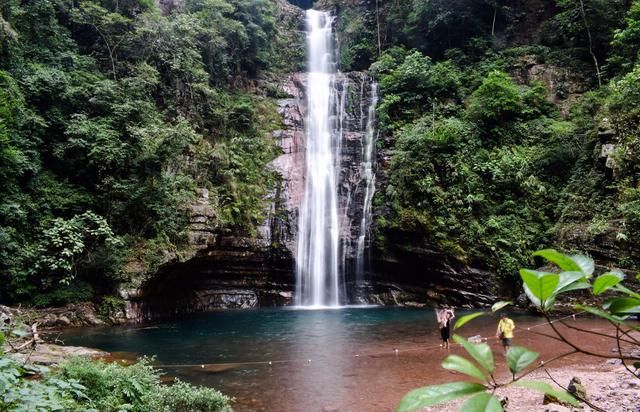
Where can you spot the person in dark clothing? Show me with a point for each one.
(444, 317)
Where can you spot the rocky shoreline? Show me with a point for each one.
(608, 386)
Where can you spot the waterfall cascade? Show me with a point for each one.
(335, 213)
(369, 178)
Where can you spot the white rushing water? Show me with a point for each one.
(369, 177)
(318, 270)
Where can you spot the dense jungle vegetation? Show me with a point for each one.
(112, 113)
(489, 160)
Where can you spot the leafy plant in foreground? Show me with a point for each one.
(542, 289)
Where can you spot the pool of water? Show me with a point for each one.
(352, 359)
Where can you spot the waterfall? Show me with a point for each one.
(334, 218)
(318, 270)
(367, 173)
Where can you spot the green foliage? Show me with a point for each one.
(626, 41)
(112, 387)
(183, 397)
(124, 112)
(18, 393)
(518, 358)
(459, 172)
(82, 385)
(110, 305)
(67, 240)
(63, 294)
(496, 101)
(433, 395)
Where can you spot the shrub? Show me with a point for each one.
(183, 397)
(137, 388)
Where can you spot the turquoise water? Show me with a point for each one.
(320, 359)
(258, 335)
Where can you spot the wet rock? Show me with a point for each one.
(577, 389)
(48, 354)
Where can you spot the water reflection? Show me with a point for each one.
(323, 334)
(353, 363)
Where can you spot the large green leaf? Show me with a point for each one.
(623, 289)
(563, 261)
(585, 263)
(462, 365)
(602, 314)
(499, 305)
(519, 357)
(432, 395)
(548, 389)
(574, 286)
(620, 306)
(567, 279)
(606, 281)
(482, 402)
(542, 285)
(481, 352)
(463, 320)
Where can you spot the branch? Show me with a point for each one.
(545, 335)
(586, 26)
(620, 353)
(594, 332)
(543, 364)
(581, 350)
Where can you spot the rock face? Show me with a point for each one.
(421, 273)
(564, 87)
(238, 272)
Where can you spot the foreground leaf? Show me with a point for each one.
(621, 288)
(622, 305)
(466, 319)
(499, 305)
(606, 281)
(561, 260)
(481, 352)
(519, 357)
(541, 284)
(549, 390)
(585, 263)
(482, 402)
(462, 365)
(570, 281)
(432, 395)
(601, 313)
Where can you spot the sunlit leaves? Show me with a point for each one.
(463, 320)
(482, 402)
(606, 281)
(563, 261)
(499, 305)
(481, 352)
(539, 286)
(432, 395)
(460, 364)
(622, 306)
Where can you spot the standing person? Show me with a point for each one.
(444, 317)
(505, 331)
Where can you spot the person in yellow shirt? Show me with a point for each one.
(505, 331)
